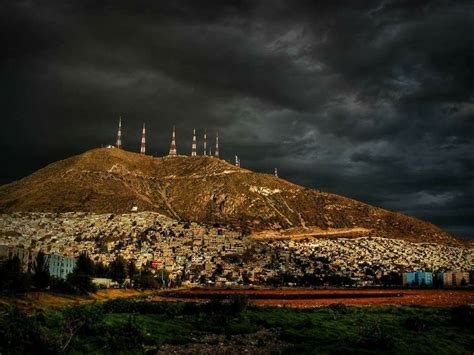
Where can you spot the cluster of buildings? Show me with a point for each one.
(446, 278)
(377, 254)
(58, 265)
(366, 261)
(195, 254)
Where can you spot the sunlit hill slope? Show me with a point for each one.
(201, 189)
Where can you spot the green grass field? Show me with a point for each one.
(135, 326)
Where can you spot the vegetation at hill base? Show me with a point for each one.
(138, 326)
(14, 280)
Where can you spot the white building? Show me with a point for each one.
(60, 266)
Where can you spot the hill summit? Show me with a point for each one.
(205, 190)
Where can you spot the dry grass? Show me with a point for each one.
(42, 300)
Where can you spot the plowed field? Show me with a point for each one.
(314, 298)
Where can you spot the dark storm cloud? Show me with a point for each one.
(369, 99)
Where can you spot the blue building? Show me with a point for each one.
(424, 278)
(418, 278)
(408, 278)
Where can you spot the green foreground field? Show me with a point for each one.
(138, 326)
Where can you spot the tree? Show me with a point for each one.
(83, 320)
(146, 280)
(218, 271)
(81, 282)
(203, 279)
(163, 277)
(118, 269)
(100, 270)
(177, 281)
(392, 279)
(81, 277)
(126, 336)
(41, 277)
(12, 279)
(246, 277)
(20, 333)
(85, 264)
(132, 269)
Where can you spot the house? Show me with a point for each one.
(103, 282)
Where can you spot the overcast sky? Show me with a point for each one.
(369, 99)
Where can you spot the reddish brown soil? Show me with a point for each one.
(300, 298)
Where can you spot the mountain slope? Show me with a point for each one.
(200, 189)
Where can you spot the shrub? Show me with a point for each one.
(191, 308)
(63, 286)
(12, 279)
(126, 335)
(231, 307)
(463, 316)
(305, 323)
(83, 319)
(238, 304)
(22, 334)
(293, 336)
(417, 323)
(146, 280)
(339, 308)
(374, 336)
(118, 305)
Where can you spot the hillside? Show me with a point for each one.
(202, 189)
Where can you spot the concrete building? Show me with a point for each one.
(26, 257)
(461, 278)
(452, 278)
(418, 278)
(60, 266)
(424, 278)
(445, 278)
(408, 279)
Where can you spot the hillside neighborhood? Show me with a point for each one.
(197, 254)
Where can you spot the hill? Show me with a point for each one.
(206, 190)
